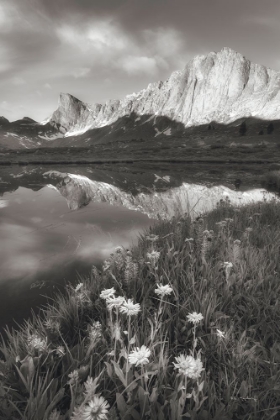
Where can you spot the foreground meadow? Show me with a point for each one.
(185, 325)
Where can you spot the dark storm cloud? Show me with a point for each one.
(97, 49)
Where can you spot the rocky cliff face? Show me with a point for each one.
(220, 87)
(194, 199)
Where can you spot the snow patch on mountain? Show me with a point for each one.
(51, 136)
(167, 132)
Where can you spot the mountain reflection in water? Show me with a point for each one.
(191, 198)
(71, 222)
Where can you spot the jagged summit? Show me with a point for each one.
(3, 120)
(221, 87)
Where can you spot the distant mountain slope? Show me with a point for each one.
(220, 87)
(224, 88)
(26, 133)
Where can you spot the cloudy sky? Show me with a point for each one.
(102, 49)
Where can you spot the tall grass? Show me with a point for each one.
(204, 342)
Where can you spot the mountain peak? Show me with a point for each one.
(69, 113)
(63, 96)
(228, 50)
(221, 87)
(28, 119)
(3, 120)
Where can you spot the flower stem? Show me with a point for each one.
(128, 346)
(117, 326)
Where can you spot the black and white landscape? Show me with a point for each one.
(139, 210)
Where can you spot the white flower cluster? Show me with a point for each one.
(163, 290)
(139, 356)
(35, 342)
(125, 306)
(153, 256)
(129, 308)
(189, 366)
(115, 302)
(195, 318)
(95, 332)
(107, 293)
(96, 409)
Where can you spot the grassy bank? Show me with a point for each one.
(206, 146)
(184, 325)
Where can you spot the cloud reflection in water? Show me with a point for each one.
(45, 241)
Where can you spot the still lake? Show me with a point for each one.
(56, 222)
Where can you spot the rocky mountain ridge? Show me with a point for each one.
(221, 87)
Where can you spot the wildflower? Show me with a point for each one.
(107, 293)
(129, 308)
(139, 356)
(52, 325)
(115, 302)
(119, 258)
(248, 229)
(188, 366)
(96, 409)
(83, 297)
(90, 387)
(189, 240)
(37, 343)
(79, 286)
(220, 334)
(227, 265)
(195, 317)
(95, 332)
(153, 256)
(163, 290)
(60, 351)
(106, 265)
(74, 377)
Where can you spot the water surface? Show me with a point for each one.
(55, 222)
(44, 242)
